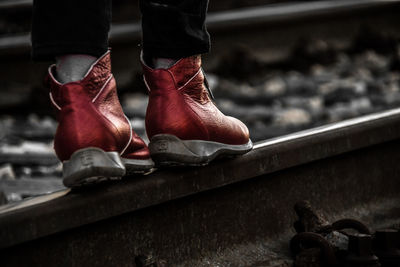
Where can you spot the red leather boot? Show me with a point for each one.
(182, 122)
(94, 138)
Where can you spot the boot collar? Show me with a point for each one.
(98, 75)
(102, 65)
(182, 71)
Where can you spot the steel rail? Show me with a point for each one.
(65, 210)
(15, 4)
(225, 20)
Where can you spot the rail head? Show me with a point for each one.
(15, 4)
(65, 210)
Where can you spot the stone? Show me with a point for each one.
(274, 86)
(18, 189)
(299, 84)
(363, 73)
(46, 171)
(292, 117)
(28, 152)
(341, 111)
(7, 172)
(322, 74)
(138, 124)
(39, 128)
(342, 91)
(13, 197)
(247, 113)
(213, 81)
(392, 99)
(134, 105)
(373, 61)
(313, 104)
(343, 66)
(338, 240)
(362, 105)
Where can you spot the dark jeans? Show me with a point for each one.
(171, 28)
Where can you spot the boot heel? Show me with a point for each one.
(169, 150)
(92, 165)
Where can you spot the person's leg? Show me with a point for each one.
(70, 27)
(94, 139)
(74, 33)
(182, 122)
(174, 29)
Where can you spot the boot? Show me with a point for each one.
(182, 122)
(94, 139)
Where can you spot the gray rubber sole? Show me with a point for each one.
(92, 165)
(169, 150)
(138, 166)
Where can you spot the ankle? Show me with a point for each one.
(163, 63)
(73, 67)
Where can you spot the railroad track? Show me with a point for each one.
(217, 21)
(235, 211)
(268, 31)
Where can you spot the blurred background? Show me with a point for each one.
(279, 66)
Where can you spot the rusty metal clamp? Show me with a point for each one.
(306, 240)
(351, 224)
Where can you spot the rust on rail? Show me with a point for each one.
(61, 211)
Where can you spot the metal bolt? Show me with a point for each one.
(360, 251)
(387, 247)
(310, 257)
(305, 241)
